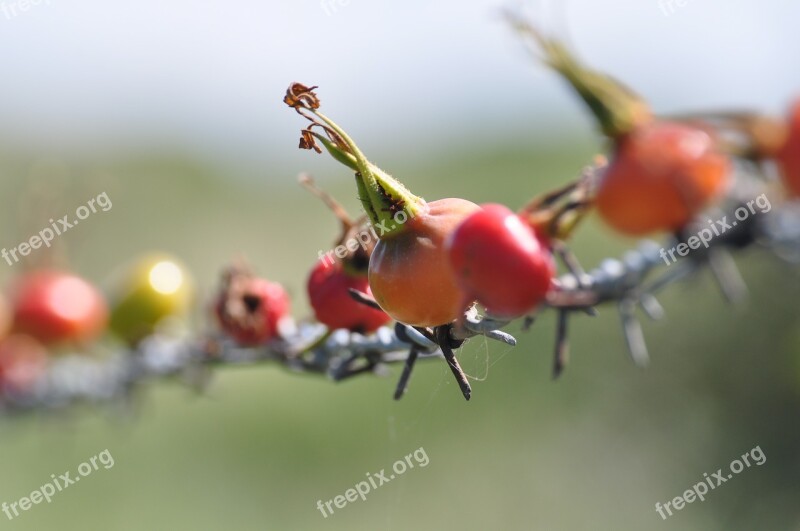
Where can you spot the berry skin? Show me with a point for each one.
(789, 155)
(410, 273)
(249, 308)
(500, 262)
(23, 359)
(328, 291)
(660, 176)
(55, 307)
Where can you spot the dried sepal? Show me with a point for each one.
(307, 141)
(299, 95)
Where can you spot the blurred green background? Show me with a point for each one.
(594, 450)
(204, 167)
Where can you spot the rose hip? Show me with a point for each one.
(661, 174)
(500, 261)
(249, 309)
(659, 177)
(155, 288)
(329, 288)
(333, 277)
(409, 273)
(54, 306)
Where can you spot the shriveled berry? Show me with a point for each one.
(249, 309)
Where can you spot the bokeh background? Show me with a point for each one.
(174, 110)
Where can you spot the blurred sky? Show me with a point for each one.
(207, 77)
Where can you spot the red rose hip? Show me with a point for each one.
(500, 262)
(250, 308)
(409, 273)
(660, 176)
(54, 307)
(329, 293)
(332, 277)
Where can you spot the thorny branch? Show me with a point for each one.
(628, 283)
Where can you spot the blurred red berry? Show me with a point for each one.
(660, 176)
(329, 292)
(250, 308)
(54, 306)
(500, 262)
(789, 155)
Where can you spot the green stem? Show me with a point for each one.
(617, 109)
(381, 194)
(338, 154)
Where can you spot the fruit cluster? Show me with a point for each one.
(47, 312)
(452, 255)
(441, 270)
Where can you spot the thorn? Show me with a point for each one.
(727, 275)
(677, 272)
(634, 336)
(503, 337)
(363, 298)
(561, 354)
(443, 338)
(344, 371)
(570, 261)
(409, 334)
(402, 384)
(527, 323)
(651, 307)
(488, 327)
